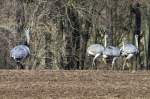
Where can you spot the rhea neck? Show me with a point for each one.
(25, 43)
(124, 42)
(136, 41)
(105, 43)
(27, 33)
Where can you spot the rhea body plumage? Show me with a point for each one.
(22, 51)
(111, 52)
(95, 50)
(129, 50)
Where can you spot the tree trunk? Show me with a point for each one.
(72, 39)
(147, 37)
(135, 9)
(48, 53)
(110, 22)
(83, 42)
(20, 17)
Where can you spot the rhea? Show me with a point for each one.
(95, 50)
(129, 50)
(21, 51)
(111, 52)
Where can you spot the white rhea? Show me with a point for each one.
(22, 51)
(95, 50)
(129, 50)
(111, 52)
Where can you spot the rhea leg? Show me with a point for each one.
(126, 59)
(93, 63)
(114, 61)
(124, 63)
(104, 59)
(20, 65)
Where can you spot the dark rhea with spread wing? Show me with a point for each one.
(21, 51)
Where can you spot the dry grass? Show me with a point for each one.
(46, 84)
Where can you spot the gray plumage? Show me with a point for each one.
(95, 50)
(20, 52)
(111, 51)
(129, 49)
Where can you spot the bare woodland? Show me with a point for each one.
(63, 29)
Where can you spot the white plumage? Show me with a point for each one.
(95, 50)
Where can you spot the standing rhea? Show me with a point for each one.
(95, 50)
(129, 50)
(22, 51)
(111, 52)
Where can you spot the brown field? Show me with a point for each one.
(46, 84)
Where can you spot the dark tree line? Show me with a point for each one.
(62, 30)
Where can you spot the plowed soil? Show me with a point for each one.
(46, 84)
